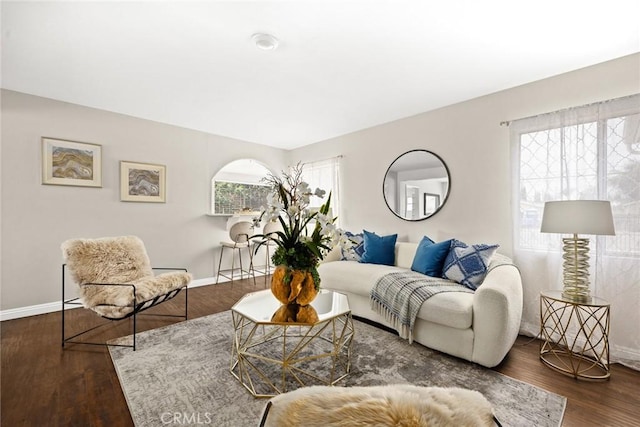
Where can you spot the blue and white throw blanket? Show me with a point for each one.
(398, 297)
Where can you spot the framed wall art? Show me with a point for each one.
(71, 163)
(142, 182)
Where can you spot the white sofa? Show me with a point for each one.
(480, 326)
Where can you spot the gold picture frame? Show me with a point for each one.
(142, 182)
(73, 163)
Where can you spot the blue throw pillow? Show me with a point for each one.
(430, 256)
(355, 251)
(468, 265)
(379, 249)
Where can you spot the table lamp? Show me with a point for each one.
(577, 217)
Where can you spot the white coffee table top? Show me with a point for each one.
(260, 306)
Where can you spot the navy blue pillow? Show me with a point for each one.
(430, 256)
(468, 265)
(379, 249)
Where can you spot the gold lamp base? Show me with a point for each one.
(576, 269)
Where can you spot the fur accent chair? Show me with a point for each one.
(395, 405)
(115, 279)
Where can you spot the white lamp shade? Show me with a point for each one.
(578, 217)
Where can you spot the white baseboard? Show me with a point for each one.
(32, 310)
(206, 281)
(50, 307)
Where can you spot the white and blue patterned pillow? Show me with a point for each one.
(353, 253)
(468, 265)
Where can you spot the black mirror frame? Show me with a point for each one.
(446, 197)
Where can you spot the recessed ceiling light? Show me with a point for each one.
(265, 41)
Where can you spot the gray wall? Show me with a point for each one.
(36, 218)
(476, 148)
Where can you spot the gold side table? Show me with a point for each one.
(575, 336)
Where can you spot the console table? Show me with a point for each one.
(575, 336)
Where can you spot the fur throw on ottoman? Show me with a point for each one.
(399, 405)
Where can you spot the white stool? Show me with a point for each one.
(270, 228)
(239, 234)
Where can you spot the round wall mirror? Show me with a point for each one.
(416, 185)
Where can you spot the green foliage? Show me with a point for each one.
(298, 257)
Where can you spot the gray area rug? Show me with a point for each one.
(179, 374)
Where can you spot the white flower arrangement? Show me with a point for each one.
(289, 204)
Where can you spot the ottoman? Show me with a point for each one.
(392, 405)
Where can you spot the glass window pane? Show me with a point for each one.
(232, 197)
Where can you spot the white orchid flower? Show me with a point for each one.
(273, 201)
(271, 214)
(293, 210)
(344, 241)
(323, 219)
(304, 199)
(319, 193)
(303, 188)
(328, 228)
(335, 239)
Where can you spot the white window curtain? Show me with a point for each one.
(588, 153)
(324, 174)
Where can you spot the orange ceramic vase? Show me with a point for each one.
(294, 313)
(300, 290)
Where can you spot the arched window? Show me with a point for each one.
(237, 187)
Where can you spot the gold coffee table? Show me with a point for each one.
(269, 358)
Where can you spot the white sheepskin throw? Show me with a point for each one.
(121, 260)
(399, 405)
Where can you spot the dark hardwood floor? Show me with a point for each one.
(44, 385)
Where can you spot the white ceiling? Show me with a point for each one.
(341, 65)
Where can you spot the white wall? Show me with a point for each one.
(470, 139)
(36, 218)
